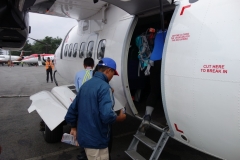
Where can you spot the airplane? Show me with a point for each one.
(199, 72)
(6, 58)
(36, 58)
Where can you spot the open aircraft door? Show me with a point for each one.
(136, 9)
(39, 60)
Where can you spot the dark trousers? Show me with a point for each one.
(155, 80)
(49, 71)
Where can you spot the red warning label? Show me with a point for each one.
(180, 37)
(214, 69)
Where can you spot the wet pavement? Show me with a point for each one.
(21, 139)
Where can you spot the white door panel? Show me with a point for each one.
(201, 84)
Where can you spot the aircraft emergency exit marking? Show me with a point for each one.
(180, 37)
(177, 128)
(214, 69)
(183, 8)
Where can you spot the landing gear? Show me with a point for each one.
(54, 135)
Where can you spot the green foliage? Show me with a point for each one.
(47, 45)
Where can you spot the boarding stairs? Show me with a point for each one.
(157, 147)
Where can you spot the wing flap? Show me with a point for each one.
(49, 108)
(64, 94)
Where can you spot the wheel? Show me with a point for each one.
(53, 136)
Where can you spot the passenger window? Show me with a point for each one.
(101, 49)
(75, 50)
(70, 50)
(66, 50)
(81, 50)
(90, 49)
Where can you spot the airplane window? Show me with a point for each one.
(101, 49)
(66, 50)
(81, 51)
(70, 50)
(75, 50)
(90, 49)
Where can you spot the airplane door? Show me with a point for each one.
(39, 60)
(91, 46)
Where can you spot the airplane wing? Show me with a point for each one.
(78, 10)
(83, 9)
(136, 7)
(15, 22)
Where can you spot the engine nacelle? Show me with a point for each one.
(14, 24)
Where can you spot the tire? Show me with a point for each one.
(53, 136)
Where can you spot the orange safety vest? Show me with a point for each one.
(48, 64)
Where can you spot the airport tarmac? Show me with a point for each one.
(21, 139)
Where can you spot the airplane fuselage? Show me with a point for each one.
(199, 80)
(6, 58)
(34, 58)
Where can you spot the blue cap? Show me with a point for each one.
(109, 62)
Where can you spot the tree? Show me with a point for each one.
(46, 45)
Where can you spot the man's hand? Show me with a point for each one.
(121, 117)
(74, 132)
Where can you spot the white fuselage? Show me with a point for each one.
(34, 58)
(200, 91)
(6, 58)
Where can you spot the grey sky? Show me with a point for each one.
(46, 25)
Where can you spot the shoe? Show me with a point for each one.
(145, 123)
(51, 81)
(47, 81)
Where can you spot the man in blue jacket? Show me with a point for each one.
(91, 113)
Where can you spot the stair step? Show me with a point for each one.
(134, 155)
(145, 140)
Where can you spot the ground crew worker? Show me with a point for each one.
(92, 112)
(49, 67)
(84, 75)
